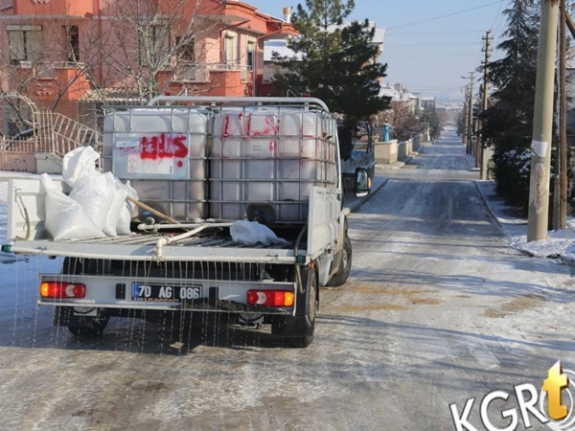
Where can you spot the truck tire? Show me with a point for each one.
(344, 268)
(81, 326)
(297, 331)
(88, 326)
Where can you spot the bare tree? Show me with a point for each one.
(402, 118)
(151, 44)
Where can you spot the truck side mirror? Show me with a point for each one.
(362, 182)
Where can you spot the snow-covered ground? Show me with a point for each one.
(559, 244)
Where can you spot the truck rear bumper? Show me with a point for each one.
(139, 293)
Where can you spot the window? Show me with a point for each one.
(251, 54)
(25, 43)
(73, 42)
(154, 45)
(229, 49)
(187, 48)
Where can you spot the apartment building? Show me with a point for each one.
(73, 56)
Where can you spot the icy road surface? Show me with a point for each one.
(438, 309)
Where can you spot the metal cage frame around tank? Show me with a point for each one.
(215, 200)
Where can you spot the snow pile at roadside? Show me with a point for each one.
(559, 244)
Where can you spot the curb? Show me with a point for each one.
(467, 161)
(493, 216)
(392, 166)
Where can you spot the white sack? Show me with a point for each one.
(65, 218)
(79, 163)
(95, 194)
(125, 217)
(251, 232)
(118, 204)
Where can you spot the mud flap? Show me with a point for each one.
(303, 323)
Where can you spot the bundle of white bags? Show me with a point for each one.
(251, 232)
(96, 206)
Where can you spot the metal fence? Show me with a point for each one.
(51, 133)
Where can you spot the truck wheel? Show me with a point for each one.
(89, 326)
(298, 330)
(342, 274)
(81, 326)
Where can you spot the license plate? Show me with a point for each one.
(159, 292)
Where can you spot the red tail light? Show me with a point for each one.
(59, 289)
(271, 298)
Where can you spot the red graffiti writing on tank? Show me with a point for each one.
(257, 129)
(232, 129)
(163, 146)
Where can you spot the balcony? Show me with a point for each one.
(79, 8)
(215, 79)
(47, 80)
(204, 72)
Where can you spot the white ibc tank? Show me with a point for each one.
(226, 164)
(268, 158)
(300, 141)
(163, 152)
(261, 150)
(243, 149)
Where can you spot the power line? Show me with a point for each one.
(438, 32)
(385, 57)
(498, 16)
(444, 16)
(498, 20)
(434, 44)
(432, 89)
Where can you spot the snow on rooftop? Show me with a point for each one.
(379, 36)
(397, 95)
(280, 46)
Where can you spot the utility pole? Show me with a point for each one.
(465, 118)
(542, 123)
(482, 152)
(563, 115)
(470, 114)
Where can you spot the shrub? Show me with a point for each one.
(512, 171)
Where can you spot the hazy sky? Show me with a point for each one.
(429, 44)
